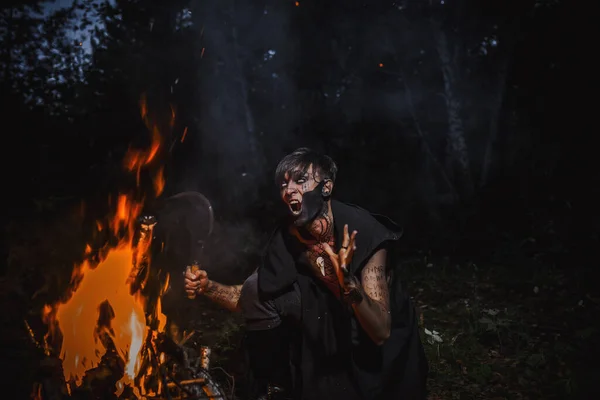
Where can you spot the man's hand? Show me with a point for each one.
(343, 257)
(196, 281)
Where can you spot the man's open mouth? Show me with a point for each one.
(295, 207)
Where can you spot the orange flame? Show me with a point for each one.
(184, 134)
(159, 182)
(106, 286)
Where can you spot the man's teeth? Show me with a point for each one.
(294, 206)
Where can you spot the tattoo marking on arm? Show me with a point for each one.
(374, 284)
(227, 296)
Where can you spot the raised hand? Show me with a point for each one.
(343, 257)
(196, 281)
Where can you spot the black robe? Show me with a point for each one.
(338, 359)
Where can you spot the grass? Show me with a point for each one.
(498, 332)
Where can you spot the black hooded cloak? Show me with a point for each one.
(338, 359)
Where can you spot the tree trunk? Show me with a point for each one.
(433, 164)
(488, 158)
(225, 118)
(512, 28)
(458, 155)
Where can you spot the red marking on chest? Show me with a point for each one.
(318, 257)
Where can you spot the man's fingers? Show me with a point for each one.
(329, 250)
(191, 289)
(195, 281)
(200, 274)
(346, 256)
(352, 245)
(189, 283)
(189, 275)
(346, 239)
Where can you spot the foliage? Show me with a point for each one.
(74, 80)
(505, 331)
(43, 60)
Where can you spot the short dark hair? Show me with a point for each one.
(301, 159)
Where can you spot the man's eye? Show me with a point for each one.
(283, 185)
(301, 181)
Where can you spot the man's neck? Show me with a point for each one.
(321, 228)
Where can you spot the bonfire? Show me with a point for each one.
(109, 331)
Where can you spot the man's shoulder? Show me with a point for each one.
(344, 210)
(355, 214)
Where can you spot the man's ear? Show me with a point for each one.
(327, 188)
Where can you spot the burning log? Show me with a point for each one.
(103, 378)
(168, 371)
(168, 346)
(50, 383)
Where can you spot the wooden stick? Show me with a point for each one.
(186, 382)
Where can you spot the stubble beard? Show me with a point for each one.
(313, 205)
(314, 217)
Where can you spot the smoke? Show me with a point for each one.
(234, 251)
(244, 96)
(244, 109)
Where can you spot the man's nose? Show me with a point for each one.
(291, 188)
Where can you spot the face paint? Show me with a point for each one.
(313, 205)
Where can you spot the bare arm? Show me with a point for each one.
(223, 295)
(197, 282)
(373, 311)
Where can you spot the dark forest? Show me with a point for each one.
(464, 121)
